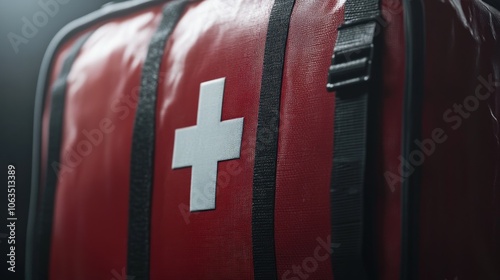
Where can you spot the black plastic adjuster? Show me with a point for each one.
(353, 55)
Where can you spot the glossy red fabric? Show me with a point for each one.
(302, 214)
(388, 194)
(459, 205)
(210, 41)
(90, 226)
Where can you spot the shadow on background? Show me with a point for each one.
(26, 28)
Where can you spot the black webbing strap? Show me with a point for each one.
(266, 150)
(350, 76)
(45, 216)
(143, 141)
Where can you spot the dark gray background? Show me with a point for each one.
(18, 76)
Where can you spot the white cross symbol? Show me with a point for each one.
(202, 146)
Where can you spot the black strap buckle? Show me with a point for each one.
(353, 55)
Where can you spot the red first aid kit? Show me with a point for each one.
(286, 139)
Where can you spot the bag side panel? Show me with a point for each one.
(459, 225)
(90, 224)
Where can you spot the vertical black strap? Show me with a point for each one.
(264, 178)
(350, 76)
(69, 31)
(143, 141)
(44, 224)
